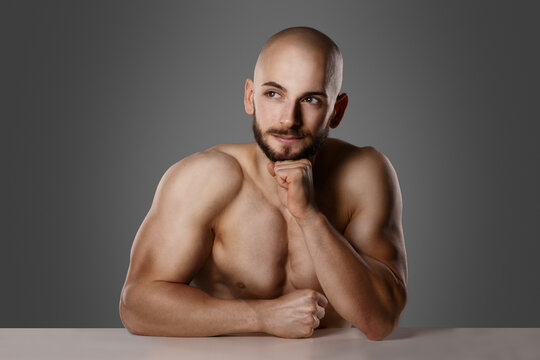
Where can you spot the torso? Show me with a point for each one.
(258, 250)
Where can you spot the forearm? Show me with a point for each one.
(361, 289)
(171, 309)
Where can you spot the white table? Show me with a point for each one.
(437, 344)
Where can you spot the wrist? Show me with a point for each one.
(258, 323)
(311, 217)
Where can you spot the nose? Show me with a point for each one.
(291, 115)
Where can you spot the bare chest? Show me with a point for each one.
(259, 250)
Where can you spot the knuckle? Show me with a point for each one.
(324, 300)
(307, 331)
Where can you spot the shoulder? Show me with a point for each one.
(365, 174)
(369, 164)
(209, 178)
(200, 165)
(357, 162)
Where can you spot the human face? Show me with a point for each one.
(291, 98)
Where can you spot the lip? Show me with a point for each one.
(288, 140)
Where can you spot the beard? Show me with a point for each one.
(307, 152)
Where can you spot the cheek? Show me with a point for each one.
(267, 112)
(315, 116)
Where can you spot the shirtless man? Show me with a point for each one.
(283, 235)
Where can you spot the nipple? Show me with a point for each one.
(240, 284)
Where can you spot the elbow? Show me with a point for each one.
(381, 330)
(127, 319)
(127, 315)
(377, 325)
(376, 329)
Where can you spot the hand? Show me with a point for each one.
(294, 315)
(295, 186)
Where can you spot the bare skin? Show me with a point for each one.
(236, 243)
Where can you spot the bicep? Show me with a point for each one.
(169, 249)
(176, 237)
(375, 228)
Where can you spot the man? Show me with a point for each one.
(289, 233)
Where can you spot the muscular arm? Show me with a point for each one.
(364, 272)
(172, 244)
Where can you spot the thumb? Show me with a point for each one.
(270, 168)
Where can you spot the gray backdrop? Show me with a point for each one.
(100, 98)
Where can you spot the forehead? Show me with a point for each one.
(294, 67)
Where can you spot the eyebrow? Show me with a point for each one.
(309, 93)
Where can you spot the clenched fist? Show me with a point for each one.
(294, 179)
(294, 315)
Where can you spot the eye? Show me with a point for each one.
(272, 94)
(312, 100)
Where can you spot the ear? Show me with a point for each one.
(339, 110)
(248, 97)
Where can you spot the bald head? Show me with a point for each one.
(295, 92)
(302, 47)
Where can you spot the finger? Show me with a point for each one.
(295, 173)
(317, 322)
(298, 165)
(282, 180)
(322, 300)
(320, 312)
(270, 167)
(286, 162)
(310, 333)
(290, 175)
